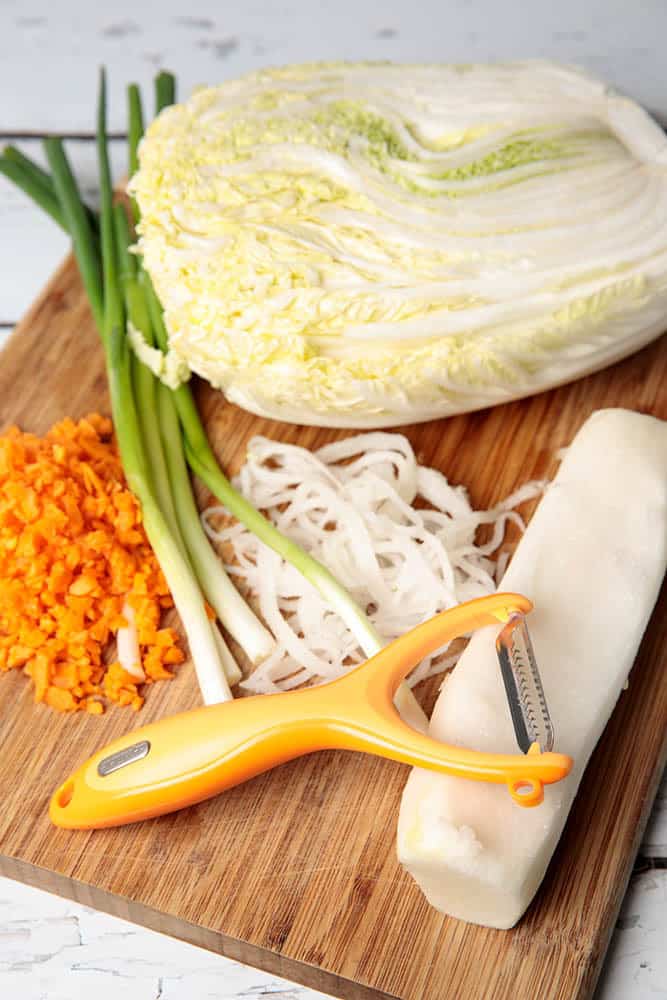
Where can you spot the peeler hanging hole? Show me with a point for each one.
(65, 794)
(526, 791)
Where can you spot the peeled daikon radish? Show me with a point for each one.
(592, 561)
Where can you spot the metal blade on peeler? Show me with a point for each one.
(523, 686)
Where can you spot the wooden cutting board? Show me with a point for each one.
(296, 871)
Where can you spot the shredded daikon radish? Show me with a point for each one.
(351, 505)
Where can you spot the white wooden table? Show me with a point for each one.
(51, 949)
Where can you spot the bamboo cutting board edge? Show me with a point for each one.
(55, 341)
(163, 923)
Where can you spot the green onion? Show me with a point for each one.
(185, 592)
(37, 183)
(144, 383)
(165, 91)
(239, 620)
(21, 174)
(126, 261)
(78, 225)
(33, 170)
(114, 312)
(138, 315)
(135, 118)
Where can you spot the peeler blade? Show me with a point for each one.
(523, 686)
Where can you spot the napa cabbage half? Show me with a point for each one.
(370, 244)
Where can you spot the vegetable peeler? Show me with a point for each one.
(190, 757)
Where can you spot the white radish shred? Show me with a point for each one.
(127, 645)
(351, 506)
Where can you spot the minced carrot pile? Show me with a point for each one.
(72, 551)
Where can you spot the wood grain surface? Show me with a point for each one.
(296, 871)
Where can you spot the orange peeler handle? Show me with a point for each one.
(187, 758)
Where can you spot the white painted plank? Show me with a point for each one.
(49, 53)
(31, 245)
(636, 963)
